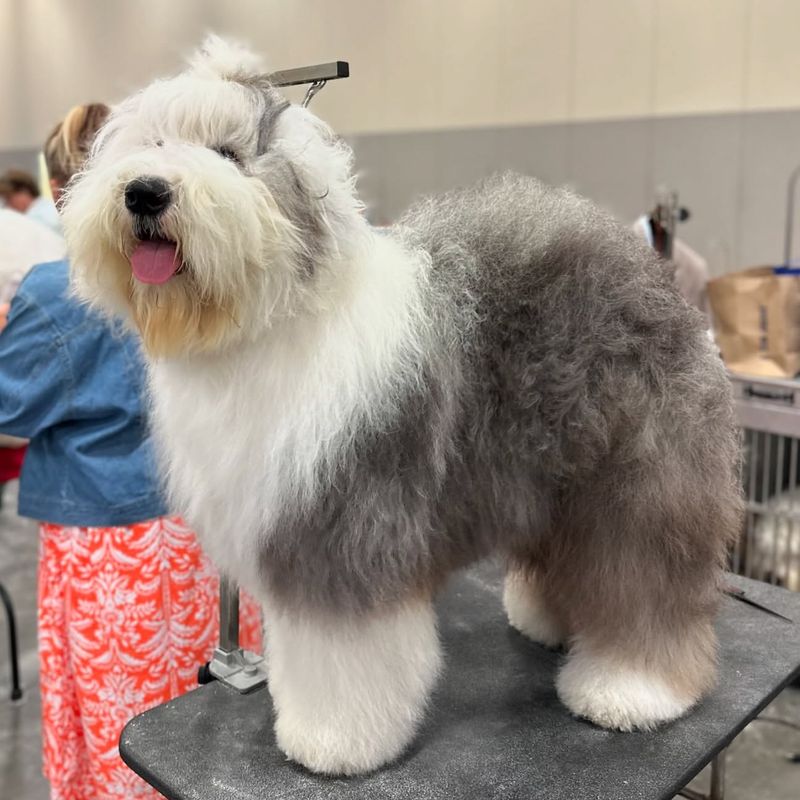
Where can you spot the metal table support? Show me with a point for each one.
(237, 668)
(717, 786)
(16, 688)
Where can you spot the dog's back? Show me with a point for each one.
(574, 347)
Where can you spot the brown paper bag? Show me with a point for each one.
(756, 317)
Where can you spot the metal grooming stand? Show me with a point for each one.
(791, 191)
(667, 213)
(230, 664)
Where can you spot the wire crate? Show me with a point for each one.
(769, 414)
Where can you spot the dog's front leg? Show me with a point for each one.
(349, 691)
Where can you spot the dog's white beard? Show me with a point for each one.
(239, 252)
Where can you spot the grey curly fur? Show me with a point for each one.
(569, 411)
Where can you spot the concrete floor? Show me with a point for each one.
(20, 731)
(757, 766)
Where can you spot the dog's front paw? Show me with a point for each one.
(350, 693)
(343, 744)
(617, 696)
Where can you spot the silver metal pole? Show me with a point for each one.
(318, 73)
(790, 195)
(717, 788)
(228, 615)
(237, 668)
(717, 791)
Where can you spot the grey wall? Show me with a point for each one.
(21, 159)
(730, 170)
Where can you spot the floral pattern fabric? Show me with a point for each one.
(126, 617)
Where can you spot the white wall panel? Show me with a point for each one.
(536, 61)
(773, 73)
(700, 55)
(613, 70)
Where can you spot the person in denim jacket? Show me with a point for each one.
(74, 387)
(127, 600)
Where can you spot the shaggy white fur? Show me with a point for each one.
(613, 694)
(350, 693)
(526, 611)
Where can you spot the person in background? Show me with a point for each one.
(20, 192)
(691, 269)
(23, 243)
(127, 606)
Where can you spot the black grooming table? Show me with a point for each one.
(495, 728)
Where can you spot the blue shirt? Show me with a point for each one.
(75, 387)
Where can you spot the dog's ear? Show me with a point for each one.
(226, 59)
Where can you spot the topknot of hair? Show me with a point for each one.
(226, 59)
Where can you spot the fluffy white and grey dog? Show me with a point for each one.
(347, 415)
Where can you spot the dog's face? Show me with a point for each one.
(209, 207)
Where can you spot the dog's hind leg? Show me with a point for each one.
(623, 690)
(527, 609)
(349, 692)
(636, 577)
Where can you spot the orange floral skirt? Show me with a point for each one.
(126, 616)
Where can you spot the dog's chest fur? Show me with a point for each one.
(253, 437)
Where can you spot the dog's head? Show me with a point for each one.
(210, 207)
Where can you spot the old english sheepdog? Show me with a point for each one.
(348, 415)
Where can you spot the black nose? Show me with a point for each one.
(147, 196)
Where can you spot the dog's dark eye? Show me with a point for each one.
(159, 142)
(227, 152)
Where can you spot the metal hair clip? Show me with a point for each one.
(312, 90)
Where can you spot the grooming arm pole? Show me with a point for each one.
(240, 669)
(317, 75)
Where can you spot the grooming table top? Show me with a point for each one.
(495, 728)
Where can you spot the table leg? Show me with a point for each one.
(717, 789)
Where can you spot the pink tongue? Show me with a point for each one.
(155, 262)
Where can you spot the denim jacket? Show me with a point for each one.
(74, 387)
